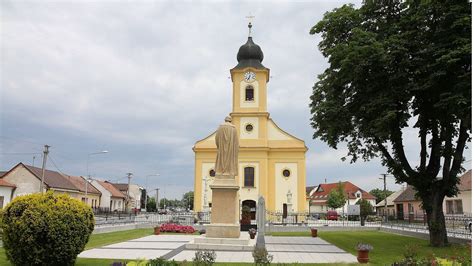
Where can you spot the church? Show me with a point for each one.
(271, 161)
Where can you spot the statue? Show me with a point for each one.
(227, 142)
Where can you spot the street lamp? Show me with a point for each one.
(88, 174)
(146, 188)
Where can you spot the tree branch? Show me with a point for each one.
(457, 158)
(397, 169)
(434, 162)
(423, 148)
(397, 144)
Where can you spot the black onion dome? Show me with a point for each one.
(250, 55)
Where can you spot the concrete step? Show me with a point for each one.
(222, 241)
(222, 247)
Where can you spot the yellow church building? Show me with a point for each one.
(271, 161)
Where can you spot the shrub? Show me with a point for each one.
(176, 228)
(46, 229)
(162, 262)
(204, 258)
(261, 256)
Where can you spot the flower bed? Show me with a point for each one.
(176, 228)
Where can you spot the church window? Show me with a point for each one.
(286, 173)
(249, 93)
(212, 173)
(249, 176)
(249, 128)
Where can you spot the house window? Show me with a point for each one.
(458, 206)
(449, 207)
(249, 93)
(454, 207)
(249, 176)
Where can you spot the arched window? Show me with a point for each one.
(249, 93)
(249, 177)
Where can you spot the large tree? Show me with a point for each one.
(397, 68)
(336, 197)
(380, 194)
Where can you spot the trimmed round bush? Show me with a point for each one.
(46, 229)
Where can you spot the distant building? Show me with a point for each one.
(408, 206)
(135, 193)
(319, 196)
(391, 210)
(462, 202)
(27, 180)
(112, 199)
(6, 192)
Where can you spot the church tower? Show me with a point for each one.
(271, 161)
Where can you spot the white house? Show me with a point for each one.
(112, 199)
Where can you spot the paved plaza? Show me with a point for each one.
(283, 249)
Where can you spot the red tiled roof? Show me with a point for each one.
(324, 190)
(112, 189)
(80, 183)
(465, 181)
(120, 186)
(4, 183)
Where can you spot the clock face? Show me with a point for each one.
(249, 76)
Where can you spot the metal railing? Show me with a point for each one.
(183, 218)
(457, 225)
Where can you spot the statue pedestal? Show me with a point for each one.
(225, 209)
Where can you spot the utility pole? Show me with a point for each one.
(157, 203)
(385, 194)
(129, 176)
(45, 156)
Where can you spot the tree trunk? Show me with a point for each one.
(435, 218)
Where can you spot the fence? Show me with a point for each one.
(457, 225)
(184, 218)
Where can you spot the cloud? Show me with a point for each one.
(146, 80)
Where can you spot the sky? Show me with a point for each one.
(145, 80)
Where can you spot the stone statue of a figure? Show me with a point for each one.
(227, 142)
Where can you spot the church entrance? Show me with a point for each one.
(251, 205)
(249, 210)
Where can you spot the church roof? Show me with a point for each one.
(250, 55)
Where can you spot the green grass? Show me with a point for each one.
(99, 240)
(388, 248)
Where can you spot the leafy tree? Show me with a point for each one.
(365, 209)
(380, 194)
(336, 198)
(151, 204)
(188, 200)
(397, 68)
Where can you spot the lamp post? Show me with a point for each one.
(146, 188)
(88, 174)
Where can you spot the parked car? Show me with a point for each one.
(332, 215)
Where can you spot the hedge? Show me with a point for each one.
(46, 229)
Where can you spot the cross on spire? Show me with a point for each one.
(250, 17)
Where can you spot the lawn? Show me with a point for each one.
(388, 248)
(98, 240)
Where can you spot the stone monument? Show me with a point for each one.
(225, 201)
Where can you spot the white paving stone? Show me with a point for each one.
(283, 249)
